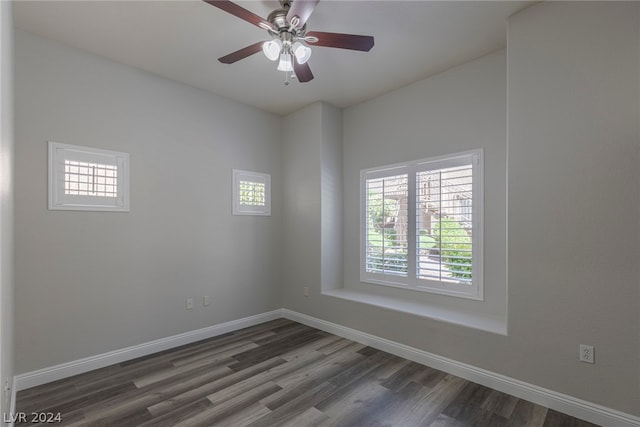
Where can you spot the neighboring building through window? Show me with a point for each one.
(251, 193)
(422, 225)
(85, 178)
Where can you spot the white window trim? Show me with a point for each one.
(257, 177)
(411, 282)
(58, 200)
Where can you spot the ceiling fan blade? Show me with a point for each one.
(239, 11)
(241, 54)
(303, 72)
(342, 41)
(302, 9)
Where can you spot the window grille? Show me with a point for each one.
(85, 178)
(90, 179)
(251, 193)
(422, 225)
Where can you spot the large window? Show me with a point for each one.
(85, 178)
(422, 225)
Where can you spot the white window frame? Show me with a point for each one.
(252, 177)
(58, 200)
(475, 289)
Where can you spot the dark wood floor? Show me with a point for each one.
(279, 373)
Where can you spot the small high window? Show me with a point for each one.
(84, 178)
(251, 193)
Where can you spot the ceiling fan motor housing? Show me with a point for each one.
(278, 20)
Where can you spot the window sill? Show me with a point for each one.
(458, 292)
(425, 310)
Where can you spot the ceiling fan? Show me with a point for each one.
(290, 40)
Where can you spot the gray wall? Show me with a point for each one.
(574, 187)
(331, 198)
(83, 278)
(301, 143)
(312, 206)
(6, 200)
(571, 98)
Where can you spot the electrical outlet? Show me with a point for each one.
(205, 300)
(189, 303)
(587, 354)
(306, 291)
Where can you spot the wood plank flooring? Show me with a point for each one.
(279, 373)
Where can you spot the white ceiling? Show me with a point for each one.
(181, 40)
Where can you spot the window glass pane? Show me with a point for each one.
(252, 193)
(89, 179)
(387, 231)
(444, 224)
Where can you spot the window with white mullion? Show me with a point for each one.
(251, 193)
(444, 252)
(86, 178)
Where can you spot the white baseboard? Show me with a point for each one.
(578, 408)
(575, 407)
(65, 370)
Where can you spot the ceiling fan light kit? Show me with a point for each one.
(289, 38)
(285, 63)
(301, 52)
(283, 47)
(272, 49)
